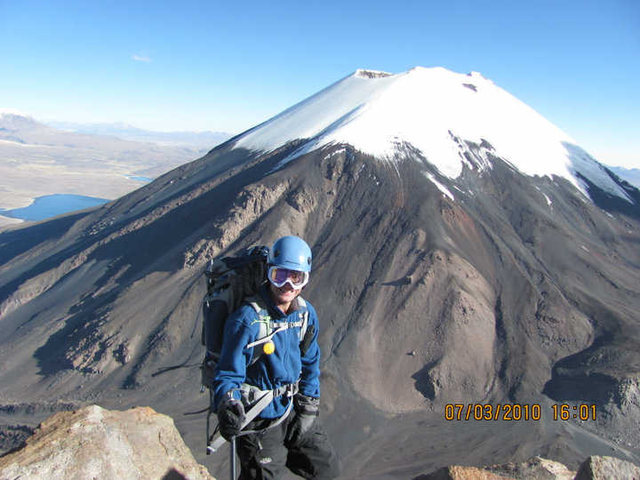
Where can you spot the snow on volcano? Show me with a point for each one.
(430, 108)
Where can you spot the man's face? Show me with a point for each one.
(284, 294)
(286, 284)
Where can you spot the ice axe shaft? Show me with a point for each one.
(233, 458)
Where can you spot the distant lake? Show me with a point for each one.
(52, 205)
(139, 179)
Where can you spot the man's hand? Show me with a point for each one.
(306, 411)
(230, 416)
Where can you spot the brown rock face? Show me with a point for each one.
(607, 468)
(94, 443)
(537, 468)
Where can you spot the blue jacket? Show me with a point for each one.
(286, 365)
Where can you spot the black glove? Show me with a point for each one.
(306, 410)
(230, 416)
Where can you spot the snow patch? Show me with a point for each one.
(333, 154)
(440, 186)
(304, 149)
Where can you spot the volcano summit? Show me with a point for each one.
(431, 110)
(466, 251)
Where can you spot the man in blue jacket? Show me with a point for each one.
(287, 432)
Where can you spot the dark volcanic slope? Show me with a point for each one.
(519, 290)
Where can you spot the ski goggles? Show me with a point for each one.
(279, 276)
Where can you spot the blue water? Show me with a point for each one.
(52, 205)
(140, 179)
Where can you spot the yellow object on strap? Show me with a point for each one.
(269, 347)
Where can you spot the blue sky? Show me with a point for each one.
(227, 66)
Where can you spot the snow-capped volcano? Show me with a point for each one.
(436, 111)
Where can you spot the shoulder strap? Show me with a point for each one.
(302, 304)
(255, 305)
(265, 322)
(306, 332)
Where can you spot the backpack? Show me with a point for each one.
(232, 282)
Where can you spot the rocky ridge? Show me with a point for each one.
(537, 468)
(96, 443)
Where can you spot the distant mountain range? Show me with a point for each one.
(206, 139)
(631, 175)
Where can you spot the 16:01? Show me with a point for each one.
(564, 411)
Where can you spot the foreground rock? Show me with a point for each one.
(94, 443)
(534, 468)
(594, 468)
(607, 468)
(463, 473)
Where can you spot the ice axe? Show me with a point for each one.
(233, 458)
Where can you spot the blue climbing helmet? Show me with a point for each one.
(292, 253)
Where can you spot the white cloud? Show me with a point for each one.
(141, 58)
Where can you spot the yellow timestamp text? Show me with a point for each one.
(516, 412)
(566, 411)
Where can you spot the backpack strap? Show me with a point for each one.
(302, 305)
(264, 318)
(267, 327)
